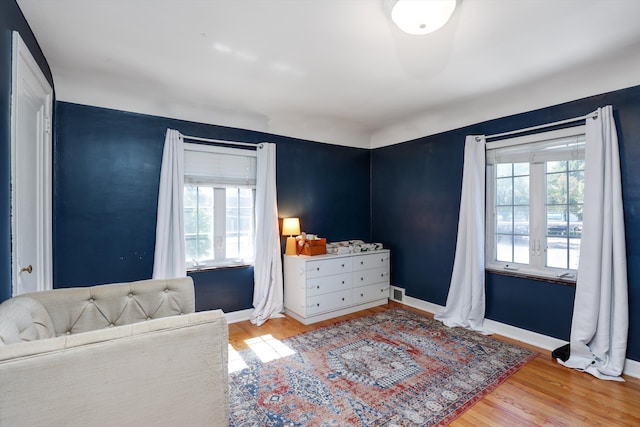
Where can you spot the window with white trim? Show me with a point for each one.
(219, 198)
(535, 194)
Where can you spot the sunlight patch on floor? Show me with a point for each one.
(235, 361)
(268, 348)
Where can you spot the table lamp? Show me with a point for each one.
(290, 227)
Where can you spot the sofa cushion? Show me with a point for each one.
(24, 319)
(84, 309)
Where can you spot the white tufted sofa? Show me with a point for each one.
(127, 354)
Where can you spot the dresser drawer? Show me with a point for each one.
(370, 293)
(328, 302)
(365, 262)
(325, 284)
(328, 267)
(368, 277)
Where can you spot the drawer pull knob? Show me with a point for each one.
(361, 262)
(342, 298)
(318, 304)
(318, 268)
(361, 295)
(343, 282)
(343, 265)
(318, 286)
(381, 274)
(362, 278)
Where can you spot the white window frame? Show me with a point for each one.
(219, 202)
(537, 212)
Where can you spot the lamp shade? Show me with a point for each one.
(290, 226)
(419, 17)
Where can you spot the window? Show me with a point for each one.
(535, 193)
(219, 198)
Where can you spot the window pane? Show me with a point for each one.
(556, 166)
(556, 188)
(198, 223)
(190, 210)
(576, 187)
(556, 221)
(576, 165)
(504, 220)
(521, 249)
(247, 222)
(520, 169)
(521, 190)
(575, 221)
(557, 252)
(205, 223)
(240, 223)
(521, 220)
(504, 194)
(232, 223)
(504, 169)
(504, 248)
(565, 195)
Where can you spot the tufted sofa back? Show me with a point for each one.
(76, 310)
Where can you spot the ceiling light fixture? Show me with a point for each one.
(420, 17)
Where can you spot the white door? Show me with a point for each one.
(31, 101)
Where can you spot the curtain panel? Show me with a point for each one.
(600, 322)
(268, 293)
(169, 254)
(466, 299)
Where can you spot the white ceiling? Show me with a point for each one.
(335, 71)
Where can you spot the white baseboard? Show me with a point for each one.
(631, 367)
(238, 316)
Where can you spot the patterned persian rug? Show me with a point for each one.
(395, 368)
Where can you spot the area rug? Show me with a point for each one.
(395, 368)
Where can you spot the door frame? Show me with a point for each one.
(21, 57)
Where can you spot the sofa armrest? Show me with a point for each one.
(164, 372)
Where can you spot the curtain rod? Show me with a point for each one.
(220, 141)
(546, 125)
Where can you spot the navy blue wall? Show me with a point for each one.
(416, 200)
(11, 19)
(106, 177)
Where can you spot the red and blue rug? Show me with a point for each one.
(395, 368)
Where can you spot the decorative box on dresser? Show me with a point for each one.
(324, 286)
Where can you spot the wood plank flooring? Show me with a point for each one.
(542, 393)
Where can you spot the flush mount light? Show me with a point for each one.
(419, 17)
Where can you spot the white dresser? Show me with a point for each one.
(324, 286)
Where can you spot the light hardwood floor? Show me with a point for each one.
(541, 393)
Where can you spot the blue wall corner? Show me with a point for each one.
(106, 178)
(416, 190)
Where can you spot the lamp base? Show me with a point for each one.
(291, 246)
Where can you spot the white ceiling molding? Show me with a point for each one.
(334, 71)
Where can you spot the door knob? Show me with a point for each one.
(28, 269)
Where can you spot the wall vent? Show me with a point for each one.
(397, 294)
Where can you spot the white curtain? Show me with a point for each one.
(466, 300)
(268, 295)
(601, 312)
(169, 256)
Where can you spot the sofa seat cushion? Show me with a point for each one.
(24, 319)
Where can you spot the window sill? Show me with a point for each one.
(549, 279)
(217, 267)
